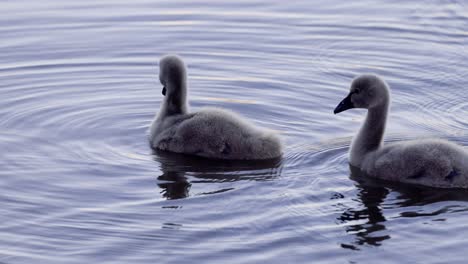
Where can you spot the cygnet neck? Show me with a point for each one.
(371, 134)
(175, 101)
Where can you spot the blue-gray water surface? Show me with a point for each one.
(79, 88)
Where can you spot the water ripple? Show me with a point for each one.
(79, 89)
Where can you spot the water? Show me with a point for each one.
(79, 89)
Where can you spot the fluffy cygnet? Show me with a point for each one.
(430, 162)
(211, 132)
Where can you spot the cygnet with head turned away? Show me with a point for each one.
(211, 132)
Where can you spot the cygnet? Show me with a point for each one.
(212, 132)
(430, 162)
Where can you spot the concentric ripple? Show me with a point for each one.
(79, 89)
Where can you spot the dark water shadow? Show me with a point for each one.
(181, 171)
(370, 229)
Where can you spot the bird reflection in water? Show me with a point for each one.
(371, 198)
(370, 228)
(178, 169)
(174, 185)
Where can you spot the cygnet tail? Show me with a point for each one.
(268, 146)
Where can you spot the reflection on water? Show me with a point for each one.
(79, 88)
(371, 199)
(175, 184)
(368, 222)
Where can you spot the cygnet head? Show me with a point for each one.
(367, 91)
(172, 74)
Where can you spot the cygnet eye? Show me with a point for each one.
(357, 91)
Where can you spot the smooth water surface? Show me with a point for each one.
(79, 88)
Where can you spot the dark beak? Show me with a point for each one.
(344, 105)
(164, 91)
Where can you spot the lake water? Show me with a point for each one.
(79, 89)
